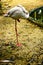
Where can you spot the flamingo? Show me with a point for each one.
(16, 13)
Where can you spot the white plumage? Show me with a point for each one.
(16, 13)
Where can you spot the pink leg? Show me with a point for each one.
(18, 44)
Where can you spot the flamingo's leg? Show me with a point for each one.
(18, 44)
(16, 31)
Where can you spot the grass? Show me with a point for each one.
(30, 36)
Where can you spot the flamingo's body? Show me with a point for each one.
(16, 13)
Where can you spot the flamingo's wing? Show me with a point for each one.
(11, 11)
(23, 9)
(17, 12)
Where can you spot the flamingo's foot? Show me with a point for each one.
(19, 44)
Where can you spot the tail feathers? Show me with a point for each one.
(6, 15)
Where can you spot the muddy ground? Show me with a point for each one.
(30, 36)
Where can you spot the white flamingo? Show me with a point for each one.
(16, 13)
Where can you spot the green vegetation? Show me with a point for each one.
(1, 8)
